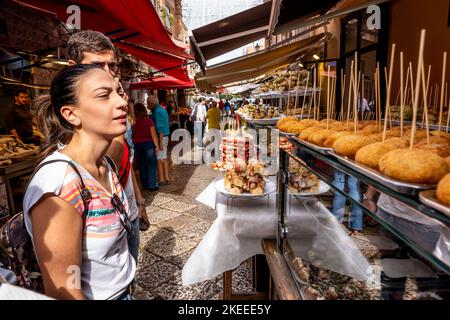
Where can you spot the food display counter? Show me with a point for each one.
(392, 246)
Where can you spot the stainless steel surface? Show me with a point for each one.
(428, 198)
(321, 150)
(396, 185)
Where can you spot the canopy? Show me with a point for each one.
(233, 32)
(254, 65)
(161, 83)
(136, 22)
(292, 12)
(171, 65)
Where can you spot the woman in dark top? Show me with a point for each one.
(146, 145)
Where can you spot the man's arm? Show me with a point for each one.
(15, 134)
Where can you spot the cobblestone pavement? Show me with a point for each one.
(178, 223)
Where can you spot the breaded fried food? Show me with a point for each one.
(419, 135)
(371, 154)
(448, 160)
(337, 126)
(328, 143)
(305, 134)
(441, 134)
(319, 137)
(397, 142)
(439, 149)
(371, 128)
(434, 140)
(284, 120)
(443, 190)
(415, 166)
(349, 145)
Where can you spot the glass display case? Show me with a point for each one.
(356, 238)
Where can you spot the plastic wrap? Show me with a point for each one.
(316, 237)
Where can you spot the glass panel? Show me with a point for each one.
(342, 246)
(368, 64)
(368, 37)
(351, 30)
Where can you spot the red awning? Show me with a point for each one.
(135, 21)
(170, 65)
(162, 83)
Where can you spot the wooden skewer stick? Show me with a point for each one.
(320, 97)
(448, 105)
(289, 95)
(333, 96)
(375, 95)
(349, 91)
(402, 101)
(312, 101)
(328, 97)
(304, 94)
(416, 91)
(388, 96)
(425, 107)
(412, 84)
(425, 97)
(379, 95)
(341, 115)
(444, 65)
(296, 93)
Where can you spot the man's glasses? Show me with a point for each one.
(118, 205)
(112, 66)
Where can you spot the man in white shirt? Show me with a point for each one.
(199, 116)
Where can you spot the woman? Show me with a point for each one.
(81, 245)
(146, 144)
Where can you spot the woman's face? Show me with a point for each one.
(101, 110)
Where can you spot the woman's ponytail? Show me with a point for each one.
(55, 129)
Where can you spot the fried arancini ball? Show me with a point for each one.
(443, 190)
(372, 128)
(284, 120)
(439, 149)
(434, 140)
(319, 137)
(371, 154)
(305, 134)
(337, 126)
(328, 143)
(310, 122)
(441, 134)
(349, 145)
(415, 166)
(397, 142)
(419, 134)
(448, 160)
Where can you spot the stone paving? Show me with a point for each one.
(178, 223)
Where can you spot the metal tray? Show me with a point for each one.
(310, 145)
(396, 185)
(264, 122)
(428, 198)
(287, 134)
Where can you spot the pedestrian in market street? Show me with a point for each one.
(146, 143)
(92, 47)
(75, 209)
(199, 116)
(161, 120)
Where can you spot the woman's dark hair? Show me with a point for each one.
(47, 108)
(140, 111)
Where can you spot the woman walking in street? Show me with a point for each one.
(146, 145)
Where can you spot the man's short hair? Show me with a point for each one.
(19, 91)
(87, 41)
(153, 99)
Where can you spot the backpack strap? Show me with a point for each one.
(112, 165)
(85, 194)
